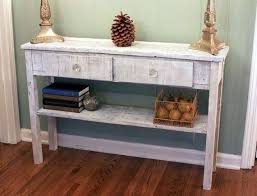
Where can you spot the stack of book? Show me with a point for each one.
(65, 97)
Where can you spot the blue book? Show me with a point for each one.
(65, 89)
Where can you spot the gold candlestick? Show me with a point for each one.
(209, 42)
(46, 35)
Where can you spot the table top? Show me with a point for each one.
(139, 48)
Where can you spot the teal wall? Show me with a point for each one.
(164, 21)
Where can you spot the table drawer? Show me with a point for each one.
(92, 67)
(45, 63)
(83, 66)
(153, 71)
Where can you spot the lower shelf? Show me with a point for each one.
(123, 115)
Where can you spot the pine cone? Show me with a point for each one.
(123, 31)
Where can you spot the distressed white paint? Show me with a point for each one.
(119, 68)
(83, 66)
(153, 71)
(144, 62)
(52, 129)
(33, 108)
(212, 127)
(146, 49)
(92, 67)
(53, 145)
(45, 63)
(201, 74)
(195, 157)
(9, 115)
(219, 105)
(122, 115)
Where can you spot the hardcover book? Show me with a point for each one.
(62, 103)
(64, 89)
(62, 108)
(65, 98)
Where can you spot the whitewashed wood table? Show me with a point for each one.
(144, 62)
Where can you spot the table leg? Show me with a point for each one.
(52, 134)
(218, 127)
(52, 130)
(219, 116)
(212, 127)
(33, 107)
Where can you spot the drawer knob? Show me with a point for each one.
(76, 68)
(153, 73)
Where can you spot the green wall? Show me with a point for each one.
(165, 21)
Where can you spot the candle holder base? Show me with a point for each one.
(47, 35)
(209, 42)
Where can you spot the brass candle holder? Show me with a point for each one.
(46, 35)
(209, 41)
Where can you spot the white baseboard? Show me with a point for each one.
(195, 157)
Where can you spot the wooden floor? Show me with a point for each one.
(75, 172)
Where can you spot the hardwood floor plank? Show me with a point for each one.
(147, 178)
(8, 153)
(81, 173)
(194, 182)
(229, 183)
(174, 180)
(249, 181)
(121, 177)
(70, 172)
(19, 172)
(91, 185)
(51, 173)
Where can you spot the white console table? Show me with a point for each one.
(144, 62)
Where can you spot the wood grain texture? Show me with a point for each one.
(213, 115)
(52, 133)
(117, 68)
(76, 172)
(146, 49)
(153, 71)
(144, 62)
(175, 179)
(19, 168)
(122, 115)
(33, 108)
(147, 178)
(52, 126)
(133, 69)
(201, 75)
(219, 106)
(85, 66)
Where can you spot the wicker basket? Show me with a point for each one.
(181, 122)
